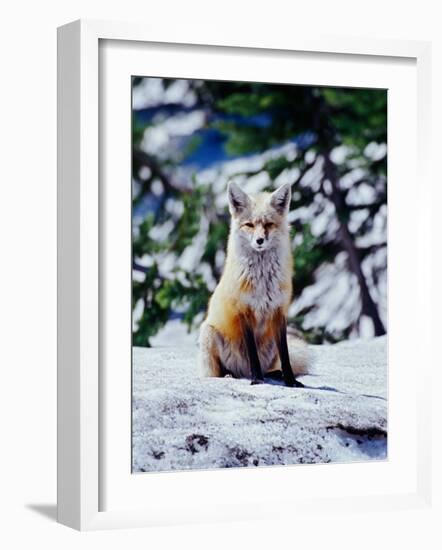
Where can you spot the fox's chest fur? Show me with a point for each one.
(263, 282)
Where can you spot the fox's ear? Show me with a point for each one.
(280, 199)
(238, 200)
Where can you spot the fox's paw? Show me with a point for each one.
(257, 381)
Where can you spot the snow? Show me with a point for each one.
(151, 92)
(173, 334)
(339, 154)
(375, 151)
(181, 421)
(332, 300)
(191, 256)
(258, 182)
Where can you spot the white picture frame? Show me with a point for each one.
(80, 392)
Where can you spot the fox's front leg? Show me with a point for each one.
(280, 332)
(252, 351)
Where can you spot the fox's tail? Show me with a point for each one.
(301, 356)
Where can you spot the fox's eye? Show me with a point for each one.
(249, 224)
(269, 225)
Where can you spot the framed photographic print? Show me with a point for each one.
(258, 208)
(234, 253)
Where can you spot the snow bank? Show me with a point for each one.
(183, 422)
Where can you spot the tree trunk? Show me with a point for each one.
(369, 308)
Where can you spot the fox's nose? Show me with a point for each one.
(259, 241)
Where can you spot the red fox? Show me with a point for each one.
(245, 332)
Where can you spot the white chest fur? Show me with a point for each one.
(263, 275)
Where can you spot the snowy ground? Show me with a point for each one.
(181, 421)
